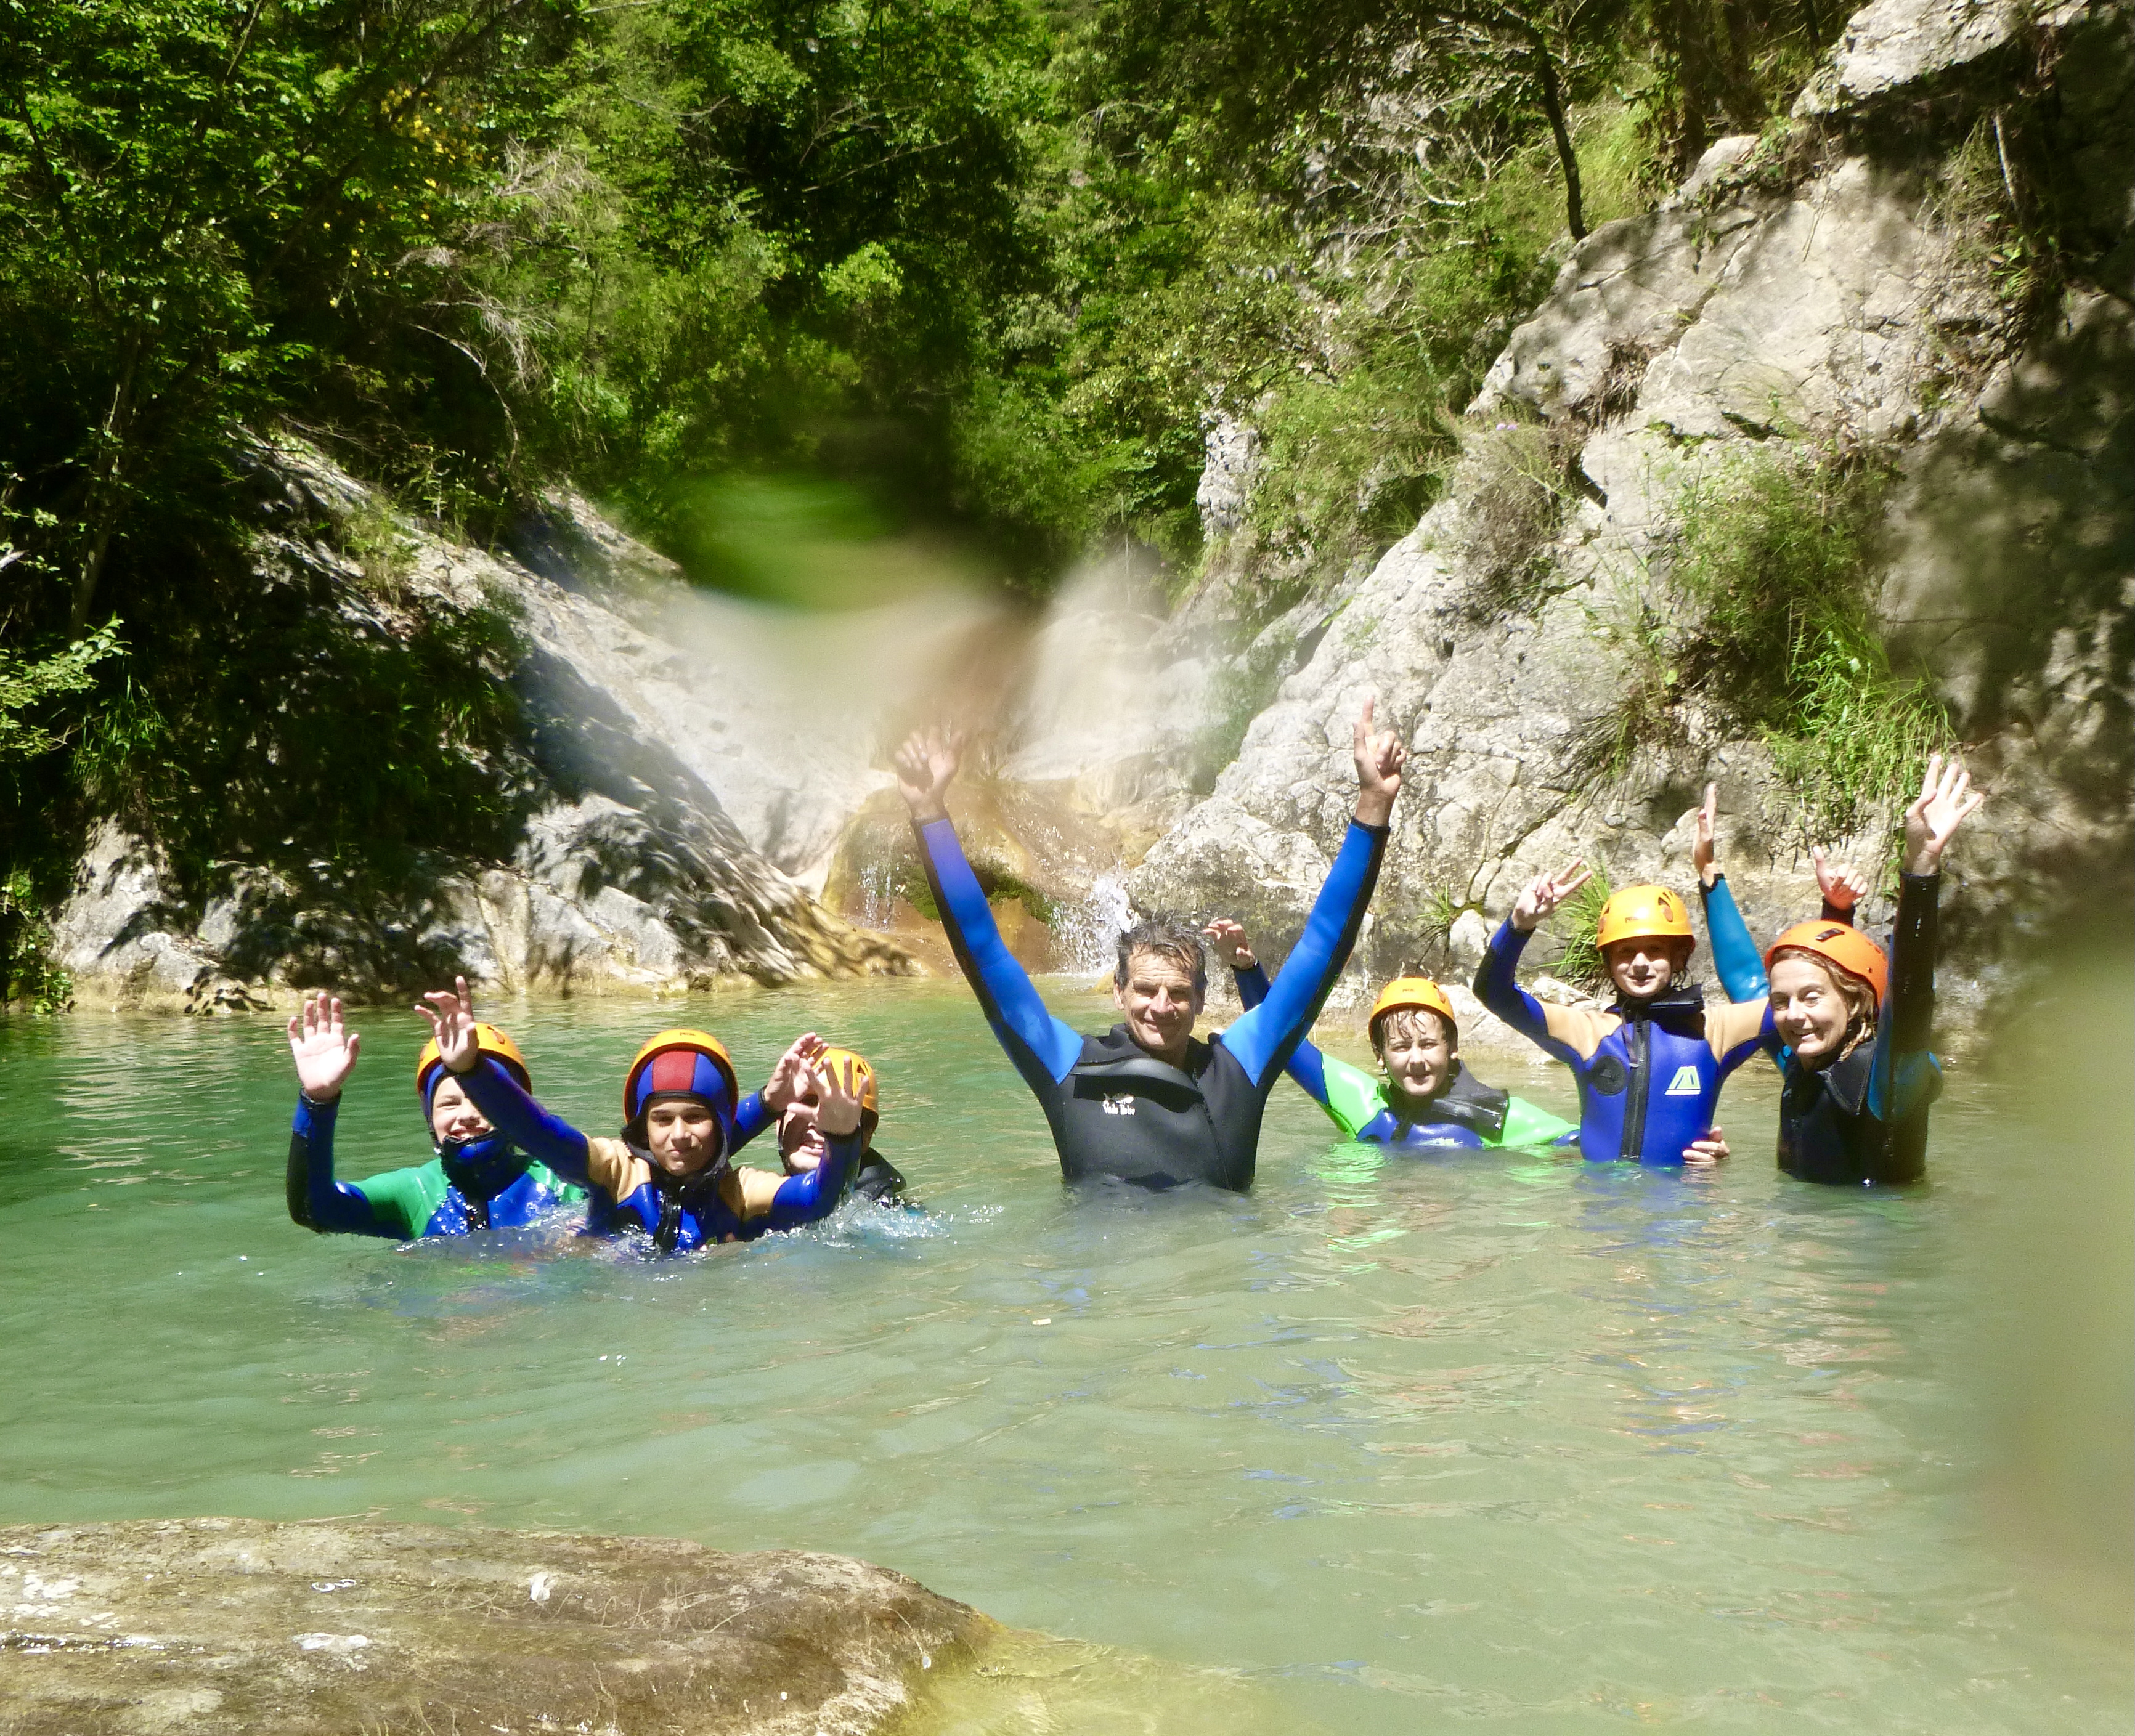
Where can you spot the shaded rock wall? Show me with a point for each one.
(1801, 288)
(630, 876)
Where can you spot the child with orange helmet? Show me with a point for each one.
(477, 1180)
(1649, 1067)
(1426, 1098)
(670, 1175)
(792, 1097)
(1855, 1022)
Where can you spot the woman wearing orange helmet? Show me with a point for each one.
(1427, 1099)
(670, 1175)
(477, 1179)
(1650, 1067)
(1856, 1022)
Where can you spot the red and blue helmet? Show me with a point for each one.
(683, 1064)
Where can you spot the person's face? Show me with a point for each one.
(683, 1136)
(1420, 1054)
(1158, 1000)
(1643, 968)
(800, 1141)
(1808, 1011)
(454, 1120)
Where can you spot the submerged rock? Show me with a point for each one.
(213, 1625)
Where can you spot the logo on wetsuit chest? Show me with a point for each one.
(1686, 1082)
(1119, 1105)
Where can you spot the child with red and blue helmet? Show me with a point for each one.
(478, 1179)
(670, 1175)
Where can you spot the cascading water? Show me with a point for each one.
(1087, 934)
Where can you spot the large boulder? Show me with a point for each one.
(205, 1626)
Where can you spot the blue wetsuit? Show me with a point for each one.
(633, 1193)
(485, 1184)
(1467, 1114)
(1649, 1072)
(1864, 1117)
(1115, 1108)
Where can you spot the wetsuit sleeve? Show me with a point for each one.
(1497, 989)
(751, 1118)
(1527, 1125)
(802, 1199)
(1306, 1065)
(1904, 1074)
(544, 1138)
(1351, 1096)
(1041, 1047)
(1734, 953)
(1736, 1032)
(1264, 1038)
(316, 1200)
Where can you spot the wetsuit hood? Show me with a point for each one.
(1683, 1001)
(480, 1168)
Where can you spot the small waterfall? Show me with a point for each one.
(1086, 935)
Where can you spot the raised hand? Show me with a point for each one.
(324, 1051)
(451, 1014)
(1379, 758)
(1843, 886)
(1231, 942)
(837, 1096)
(1545, 892)
(1701, 852)
(925, 764)
(1703, 1154)
(789, 1073)
(1945, 801)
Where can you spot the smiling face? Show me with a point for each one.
(1159, 1002)
(682, 1136)
(454, 1120)
(1645, 967)
(1815, 1007)
(1420, 1053)
(801, 1141)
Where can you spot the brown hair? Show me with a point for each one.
(1392, 1020)
(1860, 998)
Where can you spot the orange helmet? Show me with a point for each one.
(1409, 994)
(1841, 945)
(681, 1063)
(488, 1041)
(1643, 912)
(863, 1075)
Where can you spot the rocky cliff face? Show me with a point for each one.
(1816, 290)
(630, 874)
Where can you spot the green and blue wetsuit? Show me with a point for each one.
(1467, 1114)
(485, 1184)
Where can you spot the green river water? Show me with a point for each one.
(1387, 1445)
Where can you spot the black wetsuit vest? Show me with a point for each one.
(1122, 1112)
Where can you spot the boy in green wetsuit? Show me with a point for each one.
(1428, 1100)
(478, 1180)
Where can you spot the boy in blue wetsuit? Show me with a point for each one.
(1650, 1067)
(478, 1179)
(1427, 1099)
(671, 1175)
(1147, 1102)
(1855, 1023)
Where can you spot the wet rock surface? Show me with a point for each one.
(225, 1625)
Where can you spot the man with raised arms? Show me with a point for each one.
(1148, 1102)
